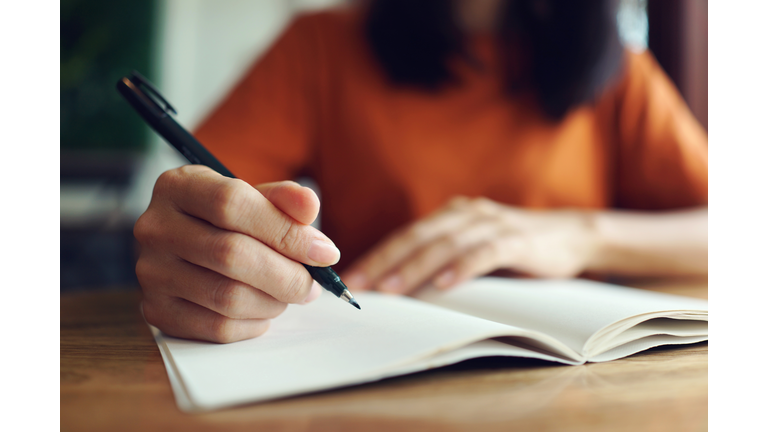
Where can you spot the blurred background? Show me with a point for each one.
(194, 51)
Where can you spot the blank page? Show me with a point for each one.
(323, 345)
(569, 310)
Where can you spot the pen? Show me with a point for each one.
(155, 110)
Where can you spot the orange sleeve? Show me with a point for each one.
(661, 152)
(263, 129)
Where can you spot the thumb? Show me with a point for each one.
(298, 202)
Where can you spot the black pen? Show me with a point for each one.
(148, 105)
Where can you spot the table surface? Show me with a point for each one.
(113, 378)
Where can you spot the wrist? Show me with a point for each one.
(600, 247)
(643, 243)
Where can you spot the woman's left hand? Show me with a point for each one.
(473, 237)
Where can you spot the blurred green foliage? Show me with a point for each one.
(101, 41)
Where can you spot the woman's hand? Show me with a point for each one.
(220, 258)
(473, 237)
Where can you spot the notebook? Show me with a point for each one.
(328, 344)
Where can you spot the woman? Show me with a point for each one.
(449, 140)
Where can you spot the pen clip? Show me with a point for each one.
(153, 92)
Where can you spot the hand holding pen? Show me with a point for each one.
(220, 258)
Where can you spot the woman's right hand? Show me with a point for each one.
(220, 258)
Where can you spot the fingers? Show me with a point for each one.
(181, 318)
(231, 254)
(233, 205)
(546, 255)
(219, 257)
(174, 277)
(298, 202)
(473, 237)
(481, 260)
(427, 261)
(379, 263)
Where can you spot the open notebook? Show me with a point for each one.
(328, 344)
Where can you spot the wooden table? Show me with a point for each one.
(113, 378)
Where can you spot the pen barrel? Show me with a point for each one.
(189, 146)
(327, 278)
(169, 129)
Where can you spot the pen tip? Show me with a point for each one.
(354, 303)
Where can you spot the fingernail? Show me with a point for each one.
(445, 279)
(392, 284)
(356, 281)
(323, 252)
(314, 293)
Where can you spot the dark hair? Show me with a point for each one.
(572, 46)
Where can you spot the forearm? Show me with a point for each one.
(650, 244)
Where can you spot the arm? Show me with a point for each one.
(642, 243)
(473, 237)
(660, 165)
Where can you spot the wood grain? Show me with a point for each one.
(113, 378)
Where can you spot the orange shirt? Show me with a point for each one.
(318, 104)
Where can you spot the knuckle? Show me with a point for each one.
(228, 201)
(223, 329)
(148, 228)
(289, 237)
(228, 298)
(166, 182)
(142, 227)
(151, 313)
(154, 277)
(144, 272)
(295, 286)
(450, 243)
(226, 250)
